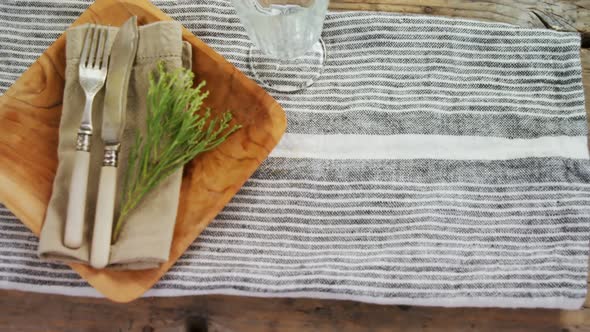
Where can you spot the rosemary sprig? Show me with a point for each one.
(177, 131)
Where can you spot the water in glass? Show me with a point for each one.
(288, 53)
(285, 29)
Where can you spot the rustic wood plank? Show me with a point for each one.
(563, 15)
(225, 313)
(513, 12)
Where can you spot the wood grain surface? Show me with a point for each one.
(221, 313)
(29, 120)
(247, 314)
(567, 15)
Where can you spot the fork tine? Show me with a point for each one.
(91, 55)
(99, 53)
(105, 56)
(86, 48)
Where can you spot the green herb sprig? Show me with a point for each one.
(177, 131)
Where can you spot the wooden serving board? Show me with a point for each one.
(29, 120)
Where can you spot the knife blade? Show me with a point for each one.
(115, 100)
(123, 52)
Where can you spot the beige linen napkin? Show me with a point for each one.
(147, 235)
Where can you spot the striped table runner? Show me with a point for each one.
(437, 162)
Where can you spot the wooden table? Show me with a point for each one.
(39, 312)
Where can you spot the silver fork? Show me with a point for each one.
(92, 75)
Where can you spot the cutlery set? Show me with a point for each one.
(96, 67)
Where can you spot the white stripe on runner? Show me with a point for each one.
(415, 192)
(357, 42)
(278, 247)
(289, 263)
(412, 242)
(436, 105)
(435, 53)
(15, 75)
(365, 35)
(33, 29)
(421, 184)
(425, 68)
(432, 57)
(331, 231)
(25, 232)
(391, 261)
(432, 42)
(376, 259)
(26, 242)
(59, 9)
(370, 289)
(369, 81)
(406, 208)
(19, 37)
(401, 216)
(19, 251)
(378, 96)
(385, 71)
(21, 67)
(399, 49)
(205, 8)
(416, 89)
(51, 269)
(417, 233)
(367, 108)
(43, 277)
(371, 64)
(10, 58)
(10, 217)
(391, 279)
(395, 147)
(215, 270)
(487, 201)
(46, 18)
(86, 3)
(233, 224)
(517, 267)
(40, 47)
(471, 61)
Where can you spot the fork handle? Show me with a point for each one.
(74, 231)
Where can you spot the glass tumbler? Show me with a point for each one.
(288, 54)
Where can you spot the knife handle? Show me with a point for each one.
(74, 232)
(103, 220)
(105, 208)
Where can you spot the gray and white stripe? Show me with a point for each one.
(437, 162)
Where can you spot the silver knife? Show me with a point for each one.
(113, 122)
